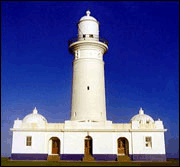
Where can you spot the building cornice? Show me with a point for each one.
(89, 130)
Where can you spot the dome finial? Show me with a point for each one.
(141, 111)
(88, 12)
(35, 111)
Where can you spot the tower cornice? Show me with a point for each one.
(83, 44)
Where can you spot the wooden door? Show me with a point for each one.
(88, 147)
(55, 147)
(121, 147)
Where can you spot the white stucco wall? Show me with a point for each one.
(73, 142)
(38, 142)
(158, 144)
(102, 142)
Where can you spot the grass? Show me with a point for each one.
(6, 162)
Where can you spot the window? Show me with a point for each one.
(28, 141)
(91, 35)
(88, 88)
(84, 35)
(148, 142)
(77, 54)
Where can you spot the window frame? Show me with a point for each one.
(148, 142)
(28, 141)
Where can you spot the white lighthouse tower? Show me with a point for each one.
(88, 87)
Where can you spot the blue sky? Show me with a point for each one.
(141, 65)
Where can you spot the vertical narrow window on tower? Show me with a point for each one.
(76, 54)
(87, 87)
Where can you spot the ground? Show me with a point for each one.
(7, 162)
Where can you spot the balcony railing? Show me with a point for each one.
(88, 37)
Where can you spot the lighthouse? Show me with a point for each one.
(88, 86)
(88, 135)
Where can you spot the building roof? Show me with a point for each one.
(34, 117)
(142, 118)
(88, 17)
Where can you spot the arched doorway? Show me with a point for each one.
(54, 145)
(122, 146)
(88, 145)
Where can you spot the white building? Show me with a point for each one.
(88, 135)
